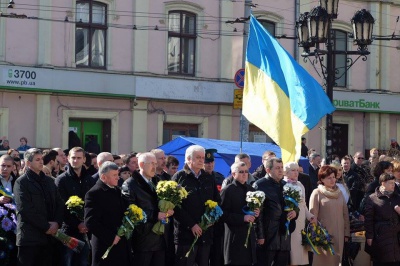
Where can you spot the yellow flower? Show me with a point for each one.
(317, 239)
(211, 204)
(302, 232)
(318, 232)
(325, 242)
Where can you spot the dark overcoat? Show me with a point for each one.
(382, 225)
(38, 202)
(233, 200)
(272, 219)
(104, 210)
(136, 190)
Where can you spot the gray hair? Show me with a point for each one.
(6, 157)
(313, 156)
(290, 166)
(102, 157)
(144, 156)
(241, 156)
(235, 166)
(191, 150)
(29, 154)
(107, 167)
(156, 151)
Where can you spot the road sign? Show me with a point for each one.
(237, 99)
(239, 78)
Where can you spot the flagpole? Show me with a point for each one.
(244, 123)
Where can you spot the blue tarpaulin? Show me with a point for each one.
(226, 151)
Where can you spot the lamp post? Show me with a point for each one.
(314, 29)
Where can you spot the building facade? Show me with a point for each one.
(135, 74)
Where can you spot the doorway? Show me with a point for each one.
(95, 135)
(340, 140)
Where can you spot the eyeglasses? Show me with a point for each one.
(243, 172)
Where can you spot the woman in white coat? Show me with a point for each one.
(298, 253)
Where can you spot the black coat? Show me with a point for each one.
(38, 203)
(313, 173)
(259, 172)
(104, 210)
(306, 182)
(382, 225)
(135, 190)
(233, 200)
(272, 219)
(355, 187)
(200, 190)
(69, 184)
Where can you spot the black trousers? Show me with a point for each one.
(277, 257)
(149, 258)
(35, 255)
(200, 255)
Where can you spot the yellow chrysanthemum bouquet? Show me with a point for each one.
(170, 194)
(211, 215)
(133, 216)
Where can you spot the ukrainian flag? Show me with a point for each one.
(279, 96)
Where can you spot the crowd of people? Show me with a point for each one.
(331, 195)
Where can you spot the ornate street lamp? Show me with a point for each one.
(331, 6)
(318, 20)
(319, 24)
(363, 23)
(303, 33)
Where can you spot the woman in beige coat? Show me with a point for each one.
(329, 207)
(298, 252)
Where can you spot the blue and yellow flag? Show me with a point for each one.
(279, 96)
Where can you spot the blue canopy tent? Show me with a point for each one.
(226, 151)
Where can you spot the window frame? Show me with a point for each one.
(343, 67)
(181, 35)
(92, 27)
(262, 21)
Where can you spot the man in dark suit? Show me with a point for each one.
(271, 232)
(315, 161)
(74, 182)
(40, 212)
(201, 187)
(306, 182)
(148, 247)
(104, 210)
(102, 158)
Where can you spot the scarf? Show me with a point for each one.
(332, 193)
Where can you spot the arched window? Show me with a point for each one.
(268, 25)
(90, 34)
(181, 42)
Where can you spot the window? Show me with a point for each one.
(174, 130)
(268, 25)
(340, 44)
(90, 34)
(181, 42)
(257, 135)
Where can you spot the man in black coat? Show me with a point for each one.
(271, 231)
(353, 183)
(74, 182)
(39, 212)
(148, 247)
(104, 211)
(260, 172)
(315, 161)
(236, 221)
(201, 187)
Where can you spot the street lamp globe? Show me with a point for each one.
(331, 6)
(363, 23)
(318, 20)
(303, 33)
